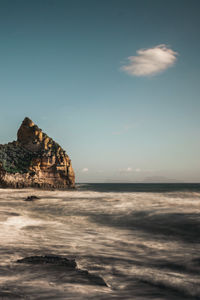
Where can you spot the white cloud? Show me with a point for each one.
(84, 170)
(129, 169)
(150, 61)
(126, 170)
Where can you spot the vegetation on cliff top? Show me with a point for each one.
(14, 158)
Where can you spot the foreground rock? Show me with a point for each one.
(49, 259)
(32, 198)
(66, 265)
(34, 160)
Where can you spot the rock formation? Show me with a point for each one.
(63, 264)
(34, 160)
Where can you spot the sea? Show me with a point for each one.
(142, 239)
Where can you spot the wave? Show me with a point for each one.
(144, 244)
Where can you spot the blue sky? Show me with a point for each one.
(64, 65)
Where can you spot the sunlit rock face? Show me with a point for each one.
(34, 160)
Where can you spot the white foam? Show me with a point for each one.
(19, 222)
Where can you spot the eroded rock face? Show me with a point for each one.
(34, 160)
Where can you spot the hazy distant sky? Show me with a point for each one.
(116, 83)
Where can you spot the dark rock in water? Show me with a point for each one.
(196, 261)
(5, 295)
(69, 265)
(31, 198)
(35, 160)
(49, 259)
(95, 279)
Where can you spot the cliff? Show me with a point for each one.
(34, 160)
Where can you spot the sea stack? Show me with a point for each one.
(34, 160)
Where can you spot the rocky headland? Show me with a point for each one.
(34, 160)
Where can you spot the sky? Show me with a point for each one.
(114, 82)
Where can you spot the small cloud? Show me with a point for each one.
(85, 170)
(150, 61)
(126, 170)
(138, 170)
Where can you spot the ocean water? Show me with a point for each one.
(143, 239)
